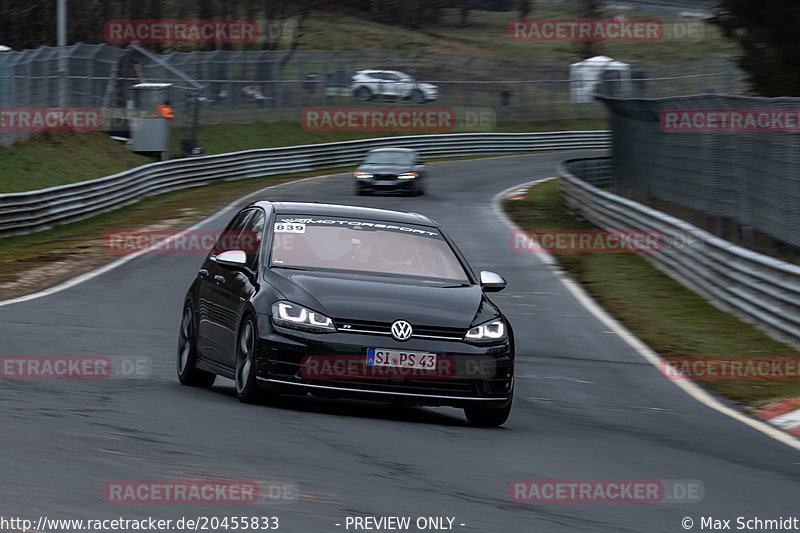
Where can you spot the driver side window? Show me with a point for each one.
(229, 238)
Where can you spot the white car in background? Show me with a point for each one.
(368, 84)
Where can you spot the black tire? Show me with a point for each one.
(363, 94)
(188, 373)
(247, 389)
(417, 96)
(482, 415)
(361, 191)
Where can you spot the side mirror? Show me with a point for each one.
(492, 282)
(232, 258)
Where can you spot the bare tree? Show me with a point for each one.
(524, 7)
(464, 13)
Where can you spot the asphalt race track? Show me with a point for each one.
(587, 406)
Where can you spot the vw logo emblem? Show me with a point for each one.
(401, 330)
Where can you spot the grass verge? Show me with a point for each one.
(671, 319)
(56, 158)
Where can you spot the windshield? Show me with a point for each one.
(388, 158)
(364, 246)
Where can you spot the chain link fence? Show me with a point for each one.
(730, 164)
(247, 86)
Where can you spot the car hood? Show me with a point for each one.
(377, 299)
(426, 86)
(385, 169)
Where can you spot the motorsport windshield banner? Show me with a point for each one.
(299, 225)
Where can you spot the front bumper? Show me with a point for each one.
(481, 373)
(430, 94)
(386, 185)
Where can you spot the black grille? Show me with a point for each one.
(384, 328)
(409, 386)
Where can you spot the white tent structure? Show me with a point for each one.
(585, 78)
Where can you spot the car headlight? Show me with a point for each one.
(290, 315)
(492, 331)
(362, 175)
(408, 176)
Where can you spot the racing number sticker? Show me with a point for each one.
(284, 227)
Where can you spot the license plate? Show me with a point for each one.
(401, 359)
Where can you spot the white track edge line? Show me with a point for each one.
(689, 387)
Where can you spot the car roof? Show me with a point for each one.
(337, 210)
(370, 71)
(406, 150)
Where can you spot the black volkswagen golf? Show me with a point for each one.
(341, 301)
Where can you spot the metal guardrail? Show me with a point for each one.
(27, 212)
(594, 171)
(760, 289)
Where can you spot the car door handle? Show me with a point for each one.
(202, 272)
(219, 279)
